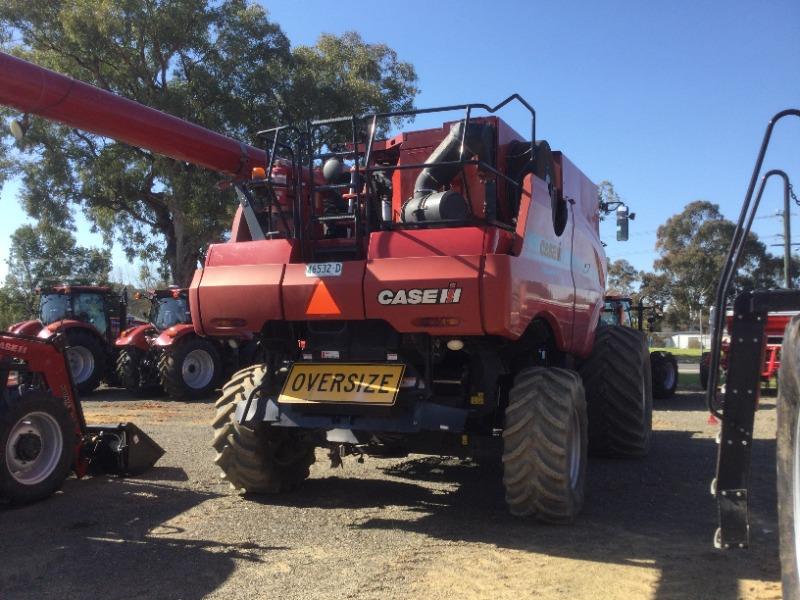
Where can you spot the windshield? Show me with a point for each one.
(90, 308)
(52, 308)
(166, 312)
(616, 312)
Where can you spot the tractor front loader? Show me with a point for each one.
(43, 433)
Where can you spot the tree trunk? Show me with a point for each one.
(182, 255)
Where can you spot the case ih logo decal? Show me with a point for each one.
(449, 295)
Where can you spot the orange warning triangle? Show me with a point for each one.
(322, 303)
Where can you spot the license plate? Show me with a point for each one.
(342, 383)
(328, 269)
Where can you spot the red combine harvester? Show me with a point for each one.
(167, 352)
(436, 292)
(43, 433)
(776, 325)
(89, 317)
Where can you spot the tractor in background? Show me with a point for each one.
(43, 433)
(165, 352)
(618, 310)
(90, 317)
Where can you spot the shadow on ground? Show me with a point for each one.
(657, 511)
(100, 544)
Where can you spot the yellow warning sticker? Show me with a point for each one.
(342, 383)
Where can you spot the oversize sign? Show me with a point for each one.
(342, 383)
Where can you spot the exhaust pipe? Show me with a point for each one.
(122, 449)
(428, 203)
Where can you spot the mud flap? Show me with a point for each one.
(122, 449)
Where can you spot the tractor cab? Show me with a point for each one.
(617, 311)
(168, 308)
(98, 306)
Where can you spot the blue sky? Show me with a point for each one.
(668, 100)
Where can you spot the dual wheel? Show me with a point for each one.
(555, 417)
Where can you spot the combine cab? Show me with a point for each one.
(166, 352)
(90, 318)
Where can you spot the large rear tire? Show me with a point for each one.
(37, 441)
(619, 393)
(544, 445)
(789, 461)
(264, 460)
(664, 369)
(86, 358)
(191, 368)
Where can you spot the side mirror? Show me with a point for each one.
(622, 223)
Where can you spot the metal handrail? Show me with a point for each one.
(735, 250)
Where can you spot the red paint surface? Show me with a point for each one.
(35, 90)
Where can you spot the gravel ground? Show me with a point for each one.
(410, 528)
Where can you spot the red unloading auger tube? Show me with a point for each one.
(35, 90)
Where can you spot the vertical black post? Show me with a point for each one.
(787, 237)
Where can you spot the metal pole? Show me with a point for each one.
(787, 238)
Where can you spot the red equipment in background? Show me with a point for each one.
(775, 327)
(167, 352)
(90, 318)
(43, 433)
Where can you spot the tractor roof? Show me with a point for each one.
(69, 289)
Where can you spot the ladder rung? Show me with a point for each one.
(344, 217)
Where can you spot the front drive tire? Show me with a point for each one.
(86, 358)
(788, 444)
(37, 442)
(619, 393)
(190, 368)
(664, 369)
(544, 445)
(264, 460)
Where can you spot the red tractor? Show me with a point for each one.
(167, 352)
(618, 310)
(89, 317)
(436, 292)
(43, 433)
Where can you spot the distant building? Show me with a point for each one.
(686, 339)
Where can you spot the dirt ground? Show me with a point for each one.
(410, 528)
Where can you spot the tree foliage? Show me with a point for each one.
(622, 277)
(42, 255)
(693, 245)
(223, 65)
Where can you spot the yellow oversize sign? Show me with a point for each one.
(342, 383)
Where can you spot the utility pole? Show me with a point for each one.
(787, 237)
(787, 230)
